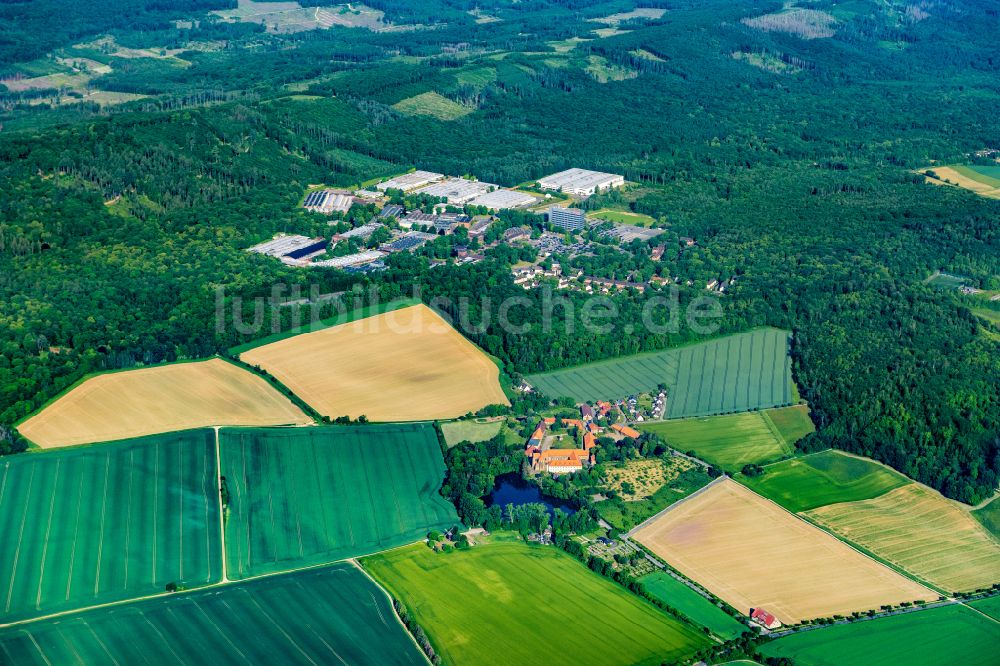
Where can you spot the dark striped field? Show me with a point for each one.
(736, 373)
(332, 615)
(306, 496)
(107, 522)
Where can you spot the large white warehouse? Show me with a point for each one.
(581, 182)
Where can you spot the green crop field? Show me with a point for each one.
(306, 496)
(671, 591)
(793, 423)
(729, 441)
(935, 637)
(824, 478)
(322, 616)
(106, 522)
(989, 516)
(736, 373)
(511, 602)
(456, 432)
(990, 606)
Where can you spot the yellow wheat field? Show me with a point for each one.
(147, 401)
(404, 365)
(754, 554)
(963, 181)
(922, 532)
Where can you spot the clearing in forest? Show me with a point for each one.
(735, 373)
(96, 524)
(321, 616)
(432, 104)
(754, 554)
(922, 532)
(934, 637)
(404, 365)
(514, 603)
(305, 496)
(147, 401)
(824, 478)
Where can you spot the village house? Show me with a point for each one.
(764, 619)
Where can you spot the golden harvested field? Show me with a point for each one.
(148, 401)
(754, 554)
(404, 365)
(922, 532)
(986, 187)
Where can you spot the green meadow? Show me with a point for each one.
(823, 478)
(514, 603)
(936, 637)
(671, 591)
(729, 441)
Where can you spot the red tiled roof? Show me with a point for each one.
(626, 430)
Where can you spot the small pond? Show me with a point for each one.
(512, 489)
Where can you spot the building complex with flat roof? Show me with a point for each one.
(328, 201)
(502, 199)
(581, 182)
(291, 247)
(457, 191)
(349, 260)
(409, 181)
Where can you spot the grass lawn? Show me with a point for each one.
(824, 478)
(322, 616)
(729, 441)
(622, 217)
(989, 516)
(513, 603)
(456, 432)
(626, 515)
(671, 591)
(935, 637)
(305, 496)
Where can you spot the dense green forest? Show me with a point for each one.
(791, 161)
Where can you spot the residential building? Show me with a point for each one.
(626, 431)
(570, 219)
(764, 619)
